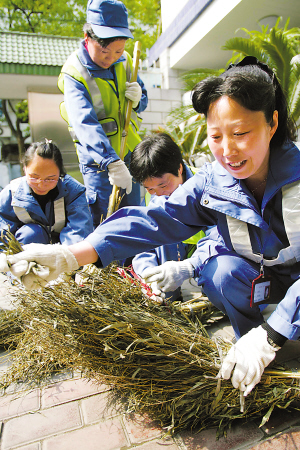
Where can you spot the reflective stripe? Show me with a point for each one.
(20, 212)
(195, 238)
(110, 127)
(91, 84)
(291, 215)
(59, 215)
(24, 216)
(288, 256)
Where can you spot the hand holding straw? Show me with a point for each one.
(114, 199)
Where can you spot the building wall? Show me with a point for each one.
(161, 102)
(169, 10)
(8, 172)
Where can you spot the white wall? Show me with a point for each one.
(169, 10)
(199, 29)
(160, 103)
(8, 172)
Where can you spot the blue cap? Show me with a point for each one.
(108, 18)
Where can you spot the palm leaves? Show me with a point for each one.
(188, 130)
(277, 47)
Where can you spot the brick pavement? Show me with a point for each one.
(74, 414)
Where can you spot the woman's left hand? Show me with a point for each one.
(248, 359)
(169, 275)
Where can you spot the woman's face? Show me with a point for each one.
(42, 175)
(240, 139)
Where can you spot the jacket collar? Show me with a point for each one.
(284, 169)
(23, 192)
(224, 190)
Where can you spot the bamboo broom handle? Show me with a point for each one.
(113, 198)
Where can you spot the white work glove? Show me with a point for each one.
(170, 275)
(249, 357)
(39, 263)
(154, 292)
(133, 92)
(119, 175)
(3, 263)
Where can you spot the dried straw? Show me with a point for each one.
(158, 359)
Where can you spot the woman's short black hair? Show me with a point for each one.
(155, 156)
(254, 86)
(104, 42)
(45, 149)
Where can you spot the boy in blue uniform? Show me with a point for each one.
(157, 164)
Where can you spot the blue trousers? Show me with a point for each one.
(32, 232)
(98, 190)
(227, 280)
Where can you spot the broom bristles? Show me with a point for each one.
(159, 359)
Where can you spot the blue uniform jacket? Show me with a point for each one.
(205, 200)
(159, 255)
(206, 247)
(78, 217)
(93, 143)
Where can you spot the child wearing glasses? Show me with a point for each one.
(46, 205)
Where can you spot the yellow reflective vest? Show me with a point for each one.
(109, 109)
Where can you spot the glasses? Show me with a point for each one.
(37, 180)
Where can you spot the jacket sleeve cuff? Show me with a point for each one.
(273, 335)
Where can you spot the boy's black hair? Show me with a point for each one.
(155, 156)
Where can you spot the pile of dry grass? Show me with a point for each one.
(157, 358)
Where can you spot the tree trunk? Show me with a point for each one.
(15, 131)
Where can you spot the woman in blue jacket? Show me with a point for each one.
(251, 192)
(46, 205)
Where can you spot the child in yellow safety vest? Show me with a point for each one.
(96, 83)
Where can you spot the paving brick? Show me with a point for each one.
(286, 441)
(108, 435)
(165, 444)
(295, 433)
(31, 427)
(96, 407)
(35, 446)
(16, 404)
(69, 390)
(162, 106)
(281, 420)
(171, 94)
(141, 428)
(237, 437)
